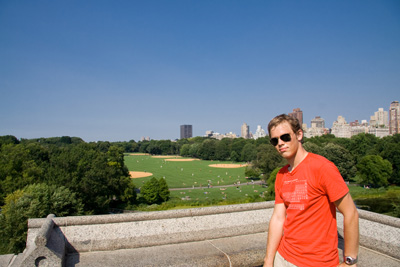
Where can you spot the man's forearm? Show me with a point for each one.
(351, 234)
(274, 237)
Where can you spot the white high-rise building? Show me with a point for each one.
(341, 128)
(317, 128)
(259, 132)
(380, 118)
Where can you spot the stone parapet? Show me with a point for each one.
(233, 235)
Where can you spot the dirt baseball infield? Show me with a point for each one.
(140, 174)
(227, 165)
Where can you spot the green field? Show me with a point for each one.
(185, 174)
(239, 193)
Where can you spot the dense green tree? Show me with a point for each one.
(249, 153)
(194, 150)
(342, 158)
(389, 148)
(8, 139)
(150, 191)
(34, 201)
(319, 140)
(234, 156)
(18, 168)
(262, 140)
(373, 170)
(163, 190)
(362, 145)
(129, 196)
(143, 146)
(154, 148)
(237, 146)
(268, 159)
(207, 149)
(313, 148)
(252, 172)
(271, 181)
(185, 150)
(223, 149)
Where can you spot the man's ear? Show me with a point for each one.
(300, 135)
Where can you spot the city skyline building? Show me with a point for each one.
(382, 123)
(318, 122)
(186, 131)
(317, 128)
(260, 132)
(341, 128)
(298, 114)
(245, 131)
(380, 118)
(394, 118)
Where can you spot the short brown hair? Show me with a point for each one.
(293, 122)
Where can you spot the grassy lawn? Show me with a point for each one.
(183, 174)
(198, 173)
(234, 193)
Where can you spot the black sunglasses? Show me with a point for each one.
(284, 137)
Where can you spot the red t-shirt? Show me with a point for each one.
(310, 230)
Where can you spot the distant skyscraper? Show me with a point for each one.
(298, 114)
(186, 131)
(259, 132)
(318, 122)
(245, 130)
(380, 118)
(394, 118)
(341, 128)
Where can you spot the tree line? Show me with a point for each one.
(64, 176)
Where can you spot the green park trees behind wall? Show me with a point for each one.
(60, 175)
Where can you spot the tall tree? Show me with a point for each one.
(150, 191)
(223, 149)
(342, 158)
(249, 153)
(207, 149)
(163, 189)
(268, 159)
(374, 171)
(34, 201)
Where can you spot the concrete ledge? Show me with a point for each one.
(166, 229)
(145, 216)
(45, 248)
(214, 236)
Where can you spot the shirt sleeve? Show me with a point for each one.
(333, 182)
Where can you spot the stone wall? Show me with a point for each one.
(51, 240)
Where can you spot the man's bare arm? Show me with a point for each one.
(275, 232)
(350, 224)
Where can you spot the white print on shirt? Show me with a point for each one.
(298, 194)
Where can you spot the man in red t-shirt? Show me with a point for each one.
(302, 230)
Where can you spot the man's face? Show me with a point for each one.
(287, 149)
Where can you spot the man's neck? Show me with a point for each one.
(297, 159)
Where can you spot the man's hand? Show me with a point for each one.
(345, 265)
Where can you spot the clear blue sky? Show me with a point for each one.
(120, 70)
